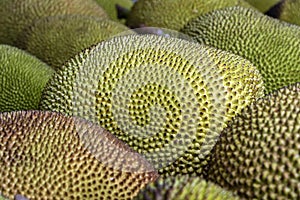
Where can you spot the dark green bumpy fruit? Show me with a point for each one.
(110, 6)
(45, 155)
(185, 188)
(257, 156)
(164, 14)
(263, 5)
(17, 15)
(22, 79)
(286, 10)
(167, 98)
(57, 39)
(272, 46)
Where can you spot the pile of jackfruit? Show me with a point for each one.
(149, 99)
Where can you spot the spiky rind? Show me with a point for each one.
(22, 77)
(164, 14)
(57, 39)
(17, 15)
(49, 155)
(257, 156)
(183, 187)
(167, 98)
(272, 46)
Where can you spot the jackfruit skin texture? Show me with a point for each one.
(183, 187)
(56, 39)
(271, 45)
(165, 97)
(257, 156)
(263, 5)
(164, 14)
(110, 6)
(22, 79)
(286, 10)
(49, 155)
(17, 15)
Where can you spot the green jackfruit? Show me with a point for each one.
(22, 79)
(286, 10)
(185, 188)
(165, 14)
(263, 5)
(167, 98)
(272, 46)
(257, 156)
(17, 15)
(56, 39)
(111, 6)
(45, 154)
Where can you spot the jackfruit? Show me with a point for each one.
(257, 156)
(17, 15)
(165, 14)
(111, 6)
(272, 46)
(167, 98)
(263, 5)
(183, 187)
(45, 154)
(57, 39)
(286, 10)
(22, 79)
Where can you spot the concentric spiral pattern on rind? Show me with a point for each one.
(271, 45)
(167, 98)
(45, 155)
(185, 188)
(257, 156)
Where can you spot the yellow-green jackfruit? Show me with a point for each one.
(57, 39)
(22, 79)
(183, 188)
(286, 10)
(49, 155)
(263, 5)
(110, 6)
(167, 98)
(165, 14)
(257, 156)
(272, 46)
(17, 15)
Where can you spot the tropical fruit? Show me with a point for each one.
(49, 155)
(167, 98)
(272, 46)
(263, 5)
(111, 6)
(165, 14)
(56, 39)
(257, 156)
(17, 15)
(183, 187)
(286, 10)
(22, 78)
